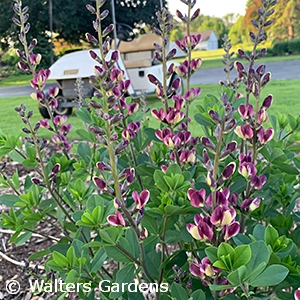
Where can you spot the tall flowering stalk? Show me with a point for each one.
(110, 89)
(187, 44)
(220, 209)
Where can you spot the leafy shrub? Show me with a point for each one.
(294, 46)
(209, 218)
(281, 48)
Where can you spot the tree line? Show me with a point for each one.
(71, 20)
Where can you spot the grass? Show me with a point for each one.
(211, 59)
(286, 101)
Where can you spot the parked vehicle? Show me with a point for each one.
(137, 59)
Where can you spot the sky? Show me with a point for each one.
(217, 8)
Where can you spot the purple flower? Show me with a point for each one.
(45, 123)
(187, 156)
(178, 102)
(247, 169)
(140, 199)
(60, 120)
(144, 233)
(182, 70)
(153, 79)
(231, 230)
(265, 136)
(174, 117)
(201, 232)
(161, 134)
(35, 59)
(267, 102)
(297, 294)
(65, 129)
(206, 142)
(101, 184)
(197, 198)
(244, 132)
(266, 78)
(228, 171)
(55, 169)
(103, 166)
(159, 114)
(38, 96)
(228, 150)
(222, 216)
(216, 118)
(116, 219)
(53, 91)
(249, 205)
(195, 14)
(258, 181)
(191, 94)
(246, 111)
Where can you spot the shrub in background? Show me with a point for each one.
(212, 217)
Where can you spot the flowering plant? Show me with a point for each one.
(210, 217)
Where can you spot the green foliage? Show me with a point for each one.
(206, 218)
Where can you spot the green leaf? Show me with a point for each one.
(71, 257)
(39, 254)
(216, 287)
(170, 182)
(278, 155)
(111, 234)
(84, 115)
(238, 276)
(253, 274)
(72, 277)
(204, 120)
(9, 200)
(271, 235)
(124, 275)
(198, 295)
(272, 275)
(242, 255)
(22, 238)
(98, 260)
(160, 181)
(116, 254)
(145, 170)
(59, 259)
(84, 151)
(150, 223)
(173, 170)
(259, 232)
(260, 254)
(86, 135)
(178, 292)
(225, 249)
(212, 253)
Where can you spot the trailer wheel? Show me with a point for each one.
(62, 110)
(181, 88)
(44, 111)
(56, 111)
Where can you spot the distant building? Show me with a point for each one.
(209, 40)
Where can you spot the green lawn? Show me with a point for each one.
(286, 100)
(211, 59)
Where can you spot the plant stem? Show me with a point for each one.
(188, 80)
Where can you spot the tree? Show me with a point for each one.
(286, 20)
(229, 20)
(214, 23)
(71, 20)
(238, 32)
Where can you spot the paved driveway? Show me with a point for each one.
(280, 70)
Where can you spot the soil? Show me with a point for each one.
(19, 254)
